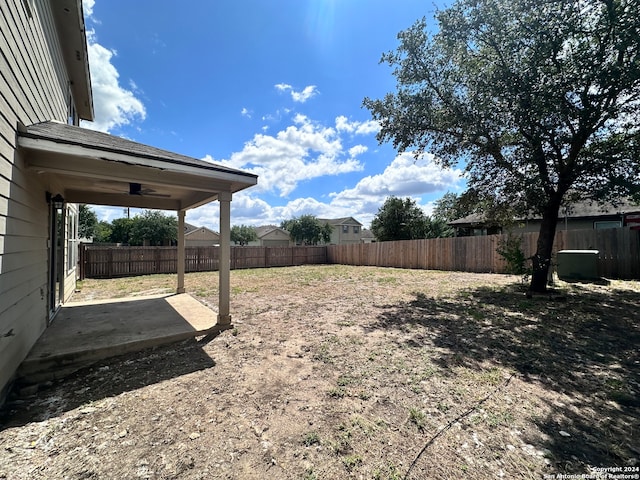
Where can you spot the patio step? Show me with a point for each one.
(84, 333)
(39, 370)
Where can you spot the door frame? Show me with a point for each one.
(55, 243)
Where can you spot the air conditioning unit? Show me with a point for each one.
(578, 265)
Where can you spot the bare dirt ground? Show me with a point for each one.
(351, 372)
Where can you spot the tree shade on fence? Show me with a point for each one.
(619, 255)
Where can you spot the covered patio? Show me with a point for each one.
(78, 165)
(89, 331)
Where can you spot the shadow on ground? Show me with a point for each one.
(105, 379)
(584, 344)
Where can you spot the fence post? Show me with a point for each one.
(81, 253)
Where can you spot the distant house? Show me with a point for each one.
(271, 236)
(367, 236)
(345, 230)
(578, 216)
(200, 236)
(49, 165)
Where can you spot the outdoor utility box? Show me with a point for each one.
(578, 264)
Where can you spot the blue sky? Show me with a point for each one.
(271, 87)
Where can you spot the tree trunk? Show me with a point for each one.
(542, 258)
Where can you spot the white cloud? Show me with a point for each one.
(358, 128)
(300, 152)
(301, 96)
(87, 7)
(283, 87)
(245, 112)
(357, 150)
(305, 94)
(114, 105)
(405, 176)
(249, 210)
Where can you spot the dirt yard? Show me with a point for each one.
(335, 372)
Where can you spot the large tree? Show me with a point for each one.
(87, 222)
(243, 234)
(121, 230)
(399, 219)
(308, 230)
(154, 228)
(540, 100)
(103, 232)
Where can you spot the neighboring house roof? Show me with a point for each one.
(99, 168)
(200, 230)
(69, 20)
(340, 221)
(267, 229)
(586, 209)
(188, 228)
(366, 233)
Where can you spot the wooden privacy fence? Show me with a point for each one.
(619, 252)
(98, 261)
(619, 255)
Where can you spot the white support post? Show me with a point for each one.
(224, 317)
(181, 252)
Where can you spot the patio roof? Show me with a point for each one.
(86, 166)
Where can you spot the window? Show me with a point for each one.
(345, 228)
(609, 224)
(356, 229)
(72, 239)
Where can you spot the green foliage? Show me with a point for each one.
(539, 98)
(398, 219)
(308, 230)
(121, 230)
(243, 234)
(510, 248)
(87, 222)
(154, 228)
(418, 418)
(437, 228)
(350, 462)
(311, 438)
(102, 232)
(450, 207)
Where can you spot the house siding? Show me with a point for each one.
(339, 237)
(32, 89)
(571, 224)
(275, 238)
(201, 237)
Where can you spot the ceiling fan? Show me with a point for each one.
(136, 189)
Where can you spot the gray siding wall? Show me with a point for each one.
(32, 89)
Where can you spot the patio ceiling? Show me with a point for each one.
(86, 166)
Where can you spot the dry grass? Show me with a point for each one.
(352, 372)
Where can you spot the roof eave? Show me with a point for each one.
(69, 19)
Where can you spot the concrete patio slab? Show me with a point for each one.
(85, 332)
